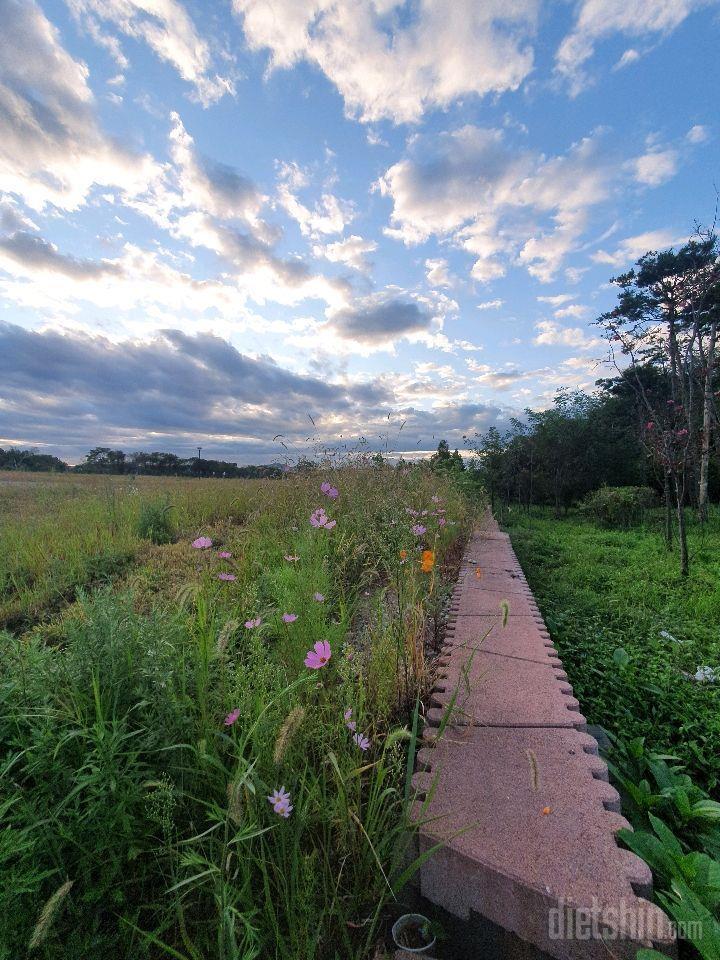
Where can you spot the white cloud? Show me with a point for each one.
(573, 310)
(697, 134)
(632, 248)
(52, 150)
(629, 56)
(595, 20)
(329, 215)
(389, 59)
(493, 201)
(550, 333)
(490, 304)
(167, 29)
(656, 166)
(353, 251)
(438, 274)
(557, 300)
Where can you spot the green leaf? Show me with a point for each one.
(621, 657)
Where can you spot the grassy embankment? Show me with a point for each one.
(145, 717)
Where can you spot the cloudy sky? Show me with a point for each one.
(222, 218)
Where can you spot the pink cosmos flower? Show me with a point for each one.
(224, 554)
(318, 518)
(289, 617)
(232, 717)
(418, 529)
(319, 656)
(251, 624)
(349, 722)
(280, 802)
(329, 490)
(436, 499)
(361, 740)
(290, 558)
(319, 598)
(229, 577)
(202, 543)
(442, 521)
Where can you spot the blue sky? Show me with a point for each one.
(219, 220)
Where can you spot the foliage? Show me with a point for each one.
(12, 459)
(155, 522)
(619, 508)
(146, 725)
(601, 590)
(557, 456)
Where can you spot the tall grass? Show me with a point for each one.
(136, 819)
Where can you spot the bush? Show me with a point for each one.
(154, 522)
(618, 508)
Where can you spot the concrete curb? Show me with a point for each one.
(515, 788)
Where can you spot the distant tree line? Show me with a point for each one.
(29, 460)
(654, 422)
(104, 460)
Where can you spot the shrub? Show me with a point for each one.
(618, 508)
(155, 523)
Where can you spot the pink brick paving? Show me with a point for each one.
(516, 765)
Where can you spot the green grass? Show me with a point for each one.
(601, 590)
(135, 821)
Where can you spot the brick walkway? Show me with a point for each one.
(516, 766)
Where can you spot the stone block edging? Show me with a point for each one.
(511, 783)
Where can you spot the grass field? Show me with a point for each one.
(601, 591)
(204, 748)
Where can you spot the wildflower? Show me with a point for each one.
(442, 521)
(403, 554)
(411, 513)
(318, 518)
(546, 811)
(349, 722)
(251, 624)
(290, 558)
(329, 490)
(428, 561)
(436, 499)
(361, 740)
(319, 598)
(319, 656)
(232, 717)
(478, 573)
(280, 802)
(202, 543)
(228, 577)
(418, 529)
(650, 425)
(224, 554)
(289, 617)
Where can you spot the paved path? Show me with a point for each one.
(516, 766)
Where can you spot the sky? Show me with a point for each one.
(248, 223)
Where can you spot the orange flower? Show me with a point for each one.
(403, 554)
(428, 561)
(546, 811)
(478, 573)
